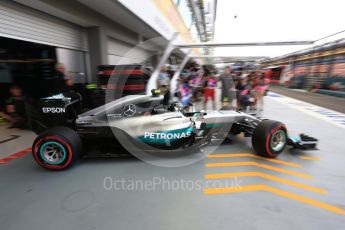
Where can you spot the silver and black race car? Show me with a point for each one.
(143, 124)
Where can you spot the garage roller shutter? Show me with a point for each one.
(119, 51)
(24, 23)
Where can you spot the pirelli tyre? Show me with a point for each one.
(57, 148)
(269, 138)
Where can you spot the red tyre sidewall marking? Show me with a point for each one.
(280, 127)
(61, 141)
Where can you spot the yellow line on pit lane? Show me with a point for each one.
(252, 163)
(279, 192)
(268, 177)
(226, 155)
(310, 158)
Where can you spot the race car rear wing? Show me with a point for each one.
(57, 110)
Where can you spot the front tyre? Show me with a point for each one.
(57, 148)
(269, 138)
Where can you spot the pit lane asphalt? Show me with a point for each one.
(34, 198)
(329, 102)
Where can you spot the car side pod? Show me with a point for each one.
(303, 142)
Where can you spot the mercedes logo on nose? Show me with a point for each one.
(129, 110)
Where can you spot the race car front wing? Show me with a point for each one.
(303, 142)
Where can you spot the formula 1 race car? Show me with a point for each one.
(143, 124)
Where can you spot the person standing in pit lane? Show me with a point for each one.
(210, 84)
(261, 89)
(185, 92)
(15, 108)
(163, 83)
(60, 81)
(248, 96)
(228, 88)
(196, 84)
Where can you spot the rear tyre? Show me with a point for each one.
(269, 138)
(57, 148)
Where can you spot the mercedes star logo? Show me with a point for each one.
(129, 110)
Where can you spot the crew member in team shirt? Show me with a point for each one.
(210, 84)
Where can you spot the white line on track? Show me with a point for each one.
(324, 114)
